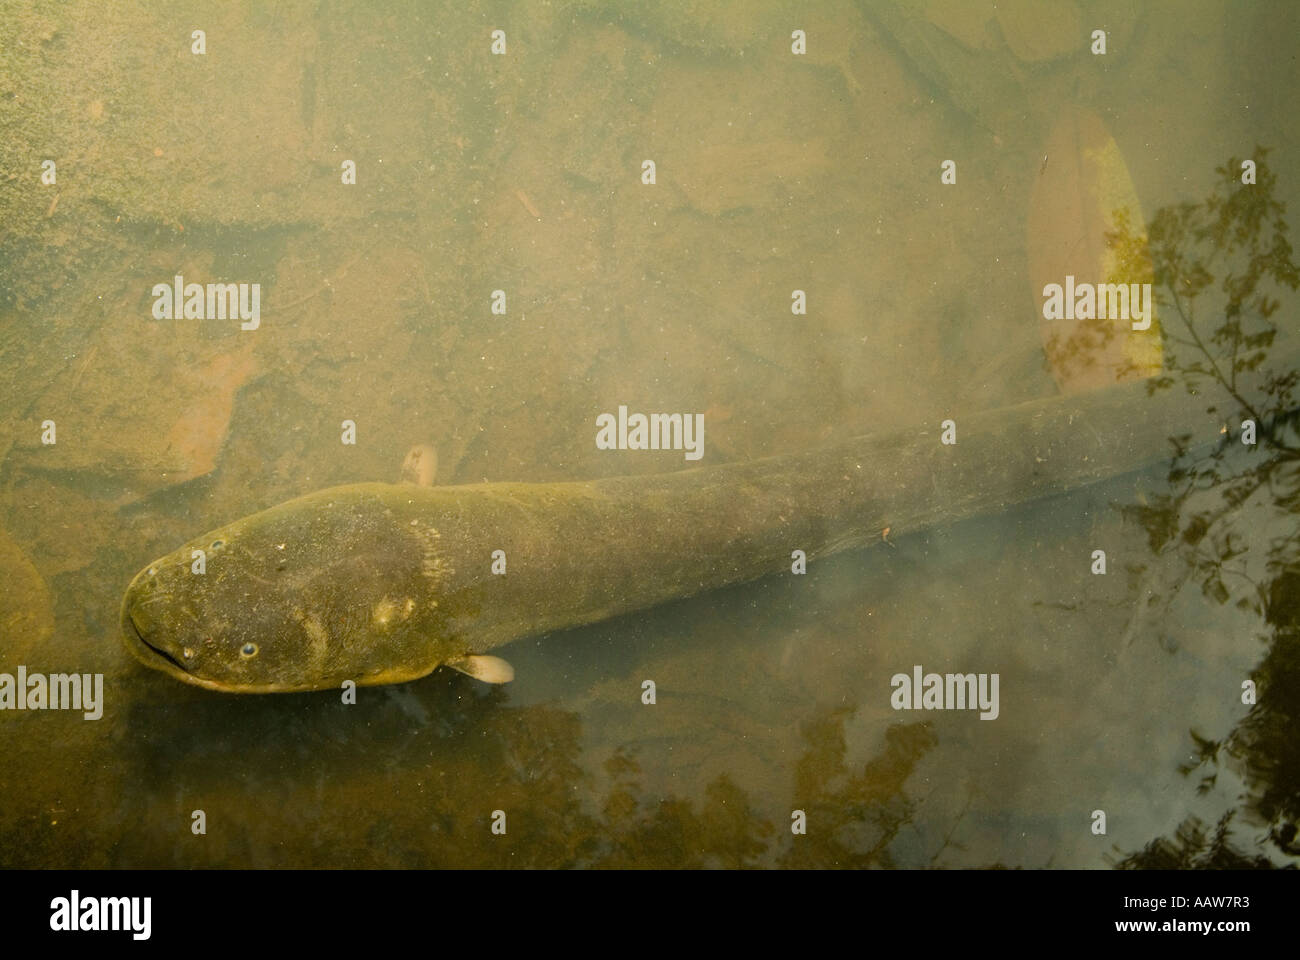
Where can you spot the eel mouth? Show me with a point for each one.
(157, 659)
(147, 653)
(162, 653)
(161, 660)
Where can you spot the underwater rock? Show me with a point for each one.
(1085, 221)
(26, 609)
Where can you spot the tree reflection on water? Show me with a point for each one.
(1228, 258)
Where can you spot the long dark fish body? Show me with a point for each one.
(382, 583)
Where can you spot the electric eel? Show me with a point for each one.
(381, 583)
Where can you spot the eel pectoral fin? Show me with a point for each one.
(420, 466)
(485, 668)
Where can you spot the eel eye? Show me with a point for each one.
(248, 651)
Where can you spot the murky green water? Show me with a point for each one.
(523, 172)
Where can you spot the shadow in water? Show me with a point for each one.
(424, 766)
